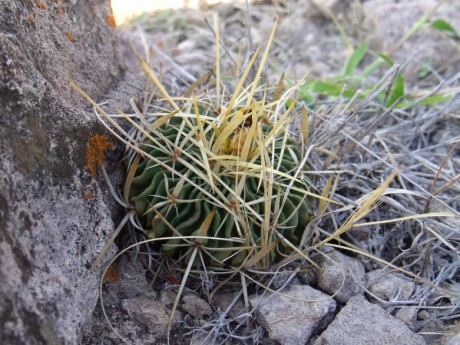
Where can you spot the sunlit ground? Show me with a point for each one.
(125, 9)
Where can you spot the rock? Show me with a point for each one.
(408, 315)
(152, 314)
(196, 306)
(294, 318)
(388, 286)
(340, 275)
(131, 281)
(388, 21)
(223, 300)
(168, 296)
(423, 315)
(363, 323)
(54, 217)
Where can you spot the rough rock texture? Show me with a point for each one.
(152, 314)
(196, 306)
(49, 232)
(408, 315)
(363, 323)
(131, 318)
(223, 300)
(388, 286)
(389, 20)
(340, 275)
(293, 320)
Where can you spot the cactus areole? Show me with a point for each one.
(242, 168)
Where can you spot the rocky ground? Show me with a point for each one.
(348, 299)
(380, 283)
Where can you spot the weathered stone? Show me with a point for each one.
(293, 318)
(152, 314)
(196, 306)
(363, 323)
(340, 275)
(388, 286)
(223, 300)
(130, 281)
(168, 296)
(54, 217)
(408, 315)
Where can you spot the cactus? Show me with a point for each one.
(175, 198)
(222, 173)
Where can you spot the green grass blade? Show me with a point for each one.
(355, 59)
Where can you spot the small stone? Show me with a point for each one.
(408, 315)
(363, 323)
(340, 275)
(293, 318)
(388, 286)
(423, 315)
(223, 300)
(199, 337)
(150, 313)
(196, 306)
(168, 296)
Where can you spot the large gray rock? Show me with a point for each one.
(363, 323)
(50, 233)
(294, 318)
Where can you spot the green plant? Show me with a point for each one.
(227, 193)
(224, 177)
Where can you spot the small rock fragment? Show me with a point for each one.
(423, 315)
(196, 306)
(389, 286)
(223, 300)
(341, 275)
(363, 323)
(408, 315)
(293, 320)
(168, 296)
(152, 314)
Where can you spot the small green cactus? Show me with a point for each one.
(167, 204)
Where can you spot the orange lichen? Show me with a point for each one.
(111, 21)
(70, 36)
(95, 153)
(112, 274)
(59, 11)
(41, 5)
(88, 195)
(31, 17)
